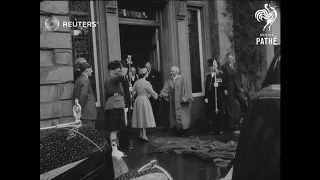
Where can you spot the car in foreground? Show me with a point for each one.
(74, 153)
(258, 151)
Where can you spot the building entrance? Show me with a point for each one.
(141, 42)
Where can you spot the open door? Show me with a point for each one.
(154, 55)
(154, 58)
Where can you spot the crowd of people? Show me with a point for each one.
(133, 97)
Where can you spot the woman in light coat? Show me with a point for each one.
(142, 116)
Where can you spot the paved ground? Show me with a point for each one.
(179, 166)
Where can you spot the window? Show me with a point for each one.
(133, 10)
(84, 44)
(195, 49)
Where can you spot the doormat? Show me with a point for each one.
(220, 153)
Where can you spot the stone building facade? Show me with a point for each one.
(56, 69)
(182, 33)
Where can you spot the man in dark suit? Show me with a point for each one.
(125, 84)
(215, 81)
(83, 92)
(240, 97)
(133, 75)
(229, 72)
(127, 93)
(155, 80)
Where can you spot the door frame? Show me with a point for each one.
(138, 22)
(141, 22)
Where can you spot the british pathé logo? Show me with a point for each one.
(269, 14)
(267, 39)
(266, 14)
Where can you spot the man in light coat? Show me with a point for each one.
(178, 91)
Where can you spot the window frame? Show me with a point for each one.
(199, 24)
(93, 40)
(95, 58)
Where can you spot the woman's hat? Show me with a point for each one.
(84, 66)
(80, 61)
(114, 65)
(212, 62)
(143, 71)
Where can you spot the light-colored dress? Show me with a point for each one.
(142, 116)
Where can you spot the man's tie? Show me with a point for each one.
(231, 65)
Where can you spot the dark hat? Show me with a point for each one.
(84, 66)
(211, 62)
(114, 65)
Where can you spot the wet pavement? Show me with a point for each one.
(181, 167)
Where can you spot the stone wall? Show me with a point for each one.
(233, 27)
(251, 58)
(221, 29)
(56, 67)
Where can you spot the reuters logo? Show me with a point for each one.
(52, 24)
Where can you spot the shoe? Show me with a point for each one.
(184, 133)
(216, 133)
(221, 132)
(231, 133)
(241, 121)
(144, 140)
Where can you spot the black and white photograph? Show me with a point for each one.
(160, 90)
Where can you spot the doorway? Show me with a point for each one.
(141, 42)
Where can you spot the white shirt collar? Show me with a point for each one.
(85, 75)
(212, 74)
(176, 76)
